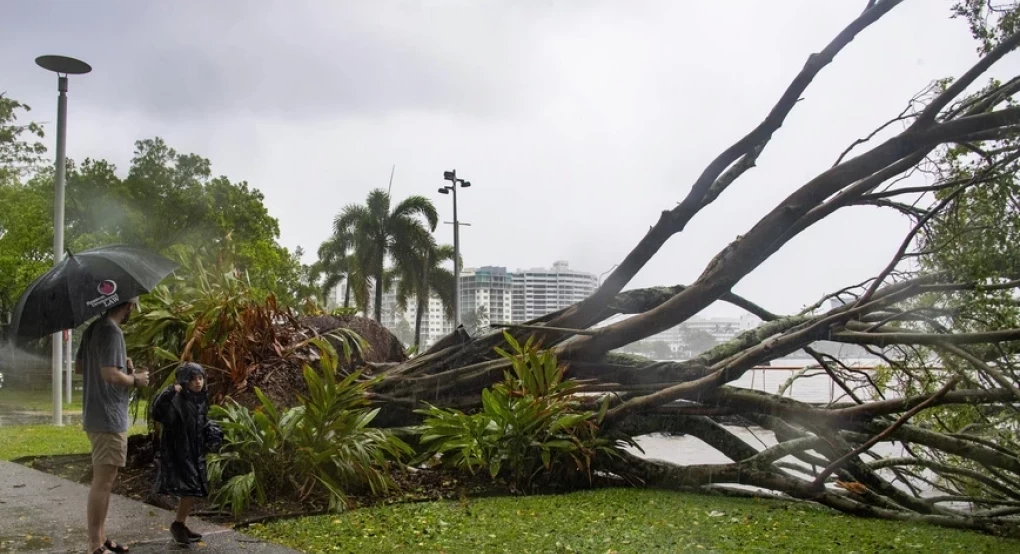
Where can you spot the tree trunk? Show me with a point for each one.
(422, 306)
(379, 292)
(347, 292)
(423, 301)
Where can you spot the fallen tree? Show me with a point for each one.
(952, 385)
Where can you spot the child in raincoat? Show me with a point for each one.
(186, 437)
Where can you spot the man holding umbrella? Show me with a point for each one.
(107, 379)
(82, 286)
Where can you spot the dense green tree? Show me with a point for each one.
(26, 212)
(21, 149)
(26, 240)
(167, 199)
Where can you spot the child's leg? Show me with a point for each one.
(184, 508)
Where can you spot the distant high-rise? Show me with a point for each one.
(487, 288)
(492, 294)
(539, 291)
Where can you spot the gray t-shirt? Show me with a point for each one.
(104, 406)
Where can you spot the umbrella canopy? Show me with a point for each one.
(85, 285)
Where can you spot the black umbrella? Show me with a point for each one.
(85, 285)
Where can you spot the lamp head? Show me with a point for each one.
(63, 64)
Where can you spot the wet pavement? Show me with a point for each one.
(40, 512)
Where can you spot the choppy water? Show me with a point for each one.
(818, 388)
(814, 387)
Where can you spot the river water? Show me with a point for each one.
(812, 386)
(815, 387)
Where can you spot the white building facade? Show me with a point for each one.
(434, 323)
(486, 291)
(540, 291)
(495, 293)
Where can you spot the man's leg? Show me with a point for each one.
(109, 453)
(103, 476)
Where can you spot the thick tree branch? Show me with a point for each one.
(674, 221)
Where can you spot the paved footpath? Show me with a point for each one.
(40, 512)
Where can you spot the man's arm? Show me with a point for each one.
(113, 376)
(113, 357)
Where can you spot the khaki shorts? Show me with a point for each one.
(109, 449)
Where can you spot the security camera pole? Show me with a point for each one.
(451, 176)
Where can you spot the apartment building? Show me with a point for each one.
(502, 296)
(434, 324)
(487, 288)
(539, 291)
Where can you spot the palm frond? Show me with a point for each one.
(418, 206)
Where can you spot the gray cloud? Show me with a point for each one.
(276, 59)
(577, 122)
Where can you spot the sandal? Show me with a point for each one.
(100, 550)
(114, 547)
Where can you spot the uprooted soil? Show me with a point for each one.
(279, 376)
(383, 346)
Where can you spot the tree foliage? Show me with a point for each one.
(166, 200)
(529, 429)
(380, 233)
(21, 149)
(423, 276)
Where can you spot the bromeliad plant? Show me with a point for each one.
(322, 450)
(530, 430)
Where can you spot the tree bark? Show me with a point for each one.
(379, 284)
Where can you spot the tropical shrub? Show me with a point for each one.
(530, 430)
(211, 315)
(322, 450)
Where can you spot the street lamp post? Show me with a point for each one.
(62, 66)
(451, 176)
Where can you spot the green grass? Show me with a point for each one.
(18, 441)
(615, 520)
(24, 400)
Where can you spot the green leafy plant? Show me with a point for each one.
(323, 449)
(531, 427)
(212, 316)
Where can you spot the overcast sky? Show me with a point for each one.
(576, 121)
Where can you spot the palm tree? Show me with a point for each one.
(337, 263)
(427, 277)
(379, 233)
(475, 321)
